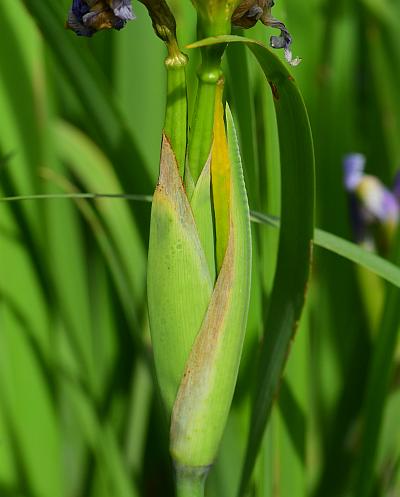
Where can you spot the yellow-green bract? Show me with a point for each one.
(197, 327)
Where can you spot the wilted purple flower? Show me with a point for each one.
(283, 41)
(250, 11)
(86, 17)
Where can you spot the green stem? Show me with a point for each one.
(190, 482)
(201, 132)
(175, 126)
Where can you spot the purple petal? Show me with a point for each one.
(77, 25)
(123, 9)
(390, 206)
(80, 8)
(283, 41)
(377, 200)
(353, 169)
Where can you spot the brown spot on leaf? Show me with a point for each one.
(274, 89)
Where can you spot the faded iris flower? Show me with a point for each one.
(251, 11)
(371, 203)
(86, 17)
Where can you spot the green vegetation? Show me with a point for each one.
(86, 408)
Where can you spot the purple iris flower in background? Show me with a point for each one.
(86, 17)
(353, 169)
(371, 203)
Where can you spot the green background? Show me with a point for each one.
(80, 415)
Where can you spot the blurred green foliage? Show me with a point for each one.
(79, 414)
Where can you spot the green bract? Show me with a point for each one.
(216, 15)
(206, 389)
(179, 281)
(198, 326)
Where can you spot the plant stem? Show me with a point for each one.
(201, 132)
(190, 482)
(175, 126)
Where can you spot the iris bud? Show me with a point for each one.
(215, 15)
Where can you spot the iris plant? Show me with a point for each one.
(199, 262)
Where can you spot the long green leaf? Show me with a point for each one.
(337, 245)
(93, 169)
(101, 438)
(295, 244)
(323, 239)
(93, 91)
(380, 372)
